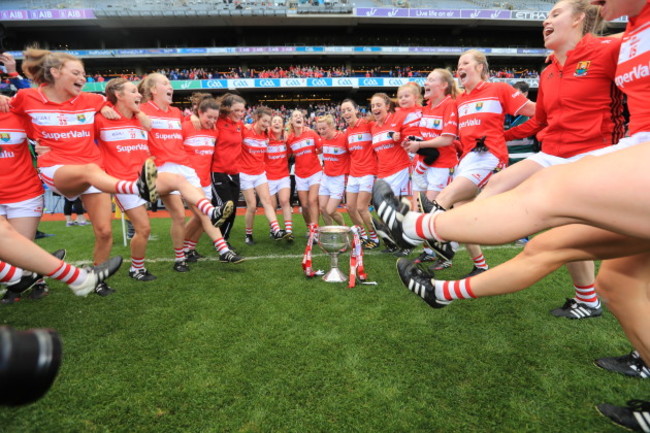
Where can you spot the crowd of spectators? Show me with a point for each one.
(206, 73)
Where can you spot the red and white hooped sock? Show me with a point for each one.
(220, 245)
(189, 245)
(179, 254)
(249, 231)
(205, 206)
(9, 274)
(373, 236)
(137, 263)
(71, 275)
(288, 226)
(362, 232)
(275, 227)
(479, 262)
(455, 289)
(420, 167)
(587, 295)
(126, 187)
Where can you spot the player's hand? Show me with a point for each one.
(9, 62)
(40, 149)
(196, 122)
(145, 120)
(109, 113)
(411, 146)
(4, 104)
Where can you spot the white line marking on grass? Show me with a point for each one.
(215, 258)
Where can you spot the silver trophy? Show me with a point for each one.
(334, 240)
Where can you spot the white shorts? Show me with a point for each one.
(304, 183)
(30, 208)
(633, 140)
(400, 182)
(207, 190)
(333, 186)
(187, 172)
(546, 160)
(47, 176)
(276, 185)
(433, 179)
(129, 201)
(477, 167)
(248, 181)
(360, 184)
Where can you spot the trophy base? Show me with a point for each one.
(334, 276)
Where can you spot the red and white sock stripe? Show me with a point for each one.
(479, 261)
(68, 274)
(126, 187)
(9, 273)
(288, 226)
(457, 289)
(586, 295)
(179, 254)
(221, 245)
(188, 245)
(274, 226)
(420, 168)
(137, 263)
(249, 231)
(373, 236)
(205, 206)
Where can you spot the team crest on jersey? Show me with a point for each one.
(479, 106)
(142, 134)
(5, 136)
(436, 124)
(81, 118)
(359, 137)
(582, 68)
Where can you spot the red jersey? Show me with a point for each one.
(166, 135)
(19, 180)
(391, 157)
(67, 128)
(305, 149)
(363, 159)
(123, 144)
(633, 71)
(438, 120)
(226, 154)
(199, 146)
(411, 122)
(578, 103)
(481, 113)
(253, 152)
(336, 159)
(276, 161)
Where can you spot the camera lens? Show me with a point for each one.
(29, 362)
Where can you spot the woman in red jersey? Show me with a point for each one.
(21, 191)
(336, 168)
(481, 112)
(253, 174)
(392, 160)
(225, 162)
(305, 146)
(277, 172)
(200, 145)
(166, 145)
(61, 119)
(580, 113)
(363, 169)
(602, 218)
(438, 128)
